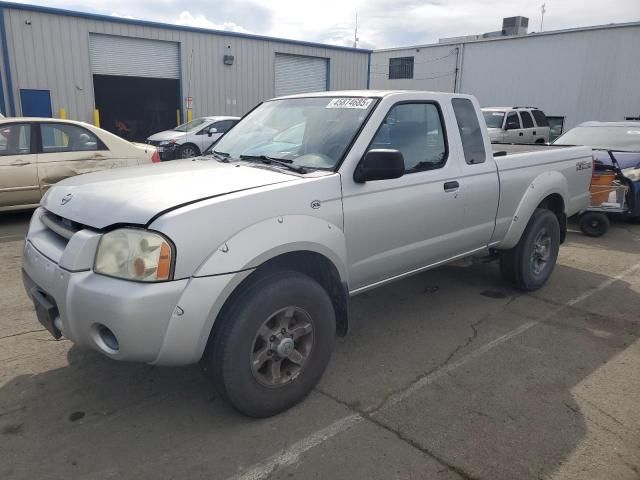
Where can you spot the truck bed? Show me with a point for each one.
(503, 149)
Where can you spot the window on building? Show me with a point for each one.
(400, 68)
(541, 118)
(15, 139)
(527, 121)
(416, 130)
(470, 132)
(62, 137)
(513, 121)
(556, 126)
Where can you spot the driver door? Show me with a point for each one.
(398, 225)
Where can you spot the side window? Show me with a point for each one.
(62, 137)
(541, 118)
(470, 132)
(223, 125)
(527, 121)
(513, 121)
(15, 139)
(416, 130)
(556, 127)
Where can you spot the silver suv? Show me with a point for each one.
(516, 124)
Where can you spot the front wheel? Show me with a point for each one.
(530, 263)
(272, 344)
(594, 224)
(188, 150)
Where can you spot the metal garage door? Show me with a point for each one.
(298, 74)
(133, 57)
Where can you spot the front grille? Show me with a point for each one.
(61, 226)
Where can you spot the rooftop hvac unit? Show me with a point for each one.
(512, 26)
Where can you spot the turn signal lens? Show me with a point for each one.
(155, 158)
(134, 254)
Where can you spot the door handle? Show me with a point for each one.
(520, 134)
(20, 163)
(451, 186)
(534, 132)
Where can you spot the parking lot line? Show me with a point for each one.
(292, 454)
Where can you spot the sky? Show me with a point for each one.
(381, 23)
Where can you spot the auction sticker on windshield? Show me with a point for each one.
(349, 103)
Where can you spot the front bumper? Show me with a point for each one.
(159, 323)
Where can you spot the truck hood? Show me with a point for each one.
(167, 135)
(135, 195)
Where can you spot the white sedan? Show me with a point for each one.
(38, 152)
(192, 138)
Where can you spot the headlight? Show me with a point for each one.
(167, 143)
(134, 254)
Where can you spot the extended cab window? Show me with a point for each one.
(415, 129)
(470, 132)
(61, 137)
(15, 139)
(513, 121)
(527, 121)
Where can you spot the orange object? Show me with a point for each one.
(164, 262)
(601, 186)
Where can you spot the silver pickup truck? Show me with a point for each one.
(245, 259)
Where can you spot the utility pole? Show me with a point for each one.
(355, 34)
(543, 10)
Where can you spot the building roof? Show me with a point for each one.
(184, 28)
(516, 37)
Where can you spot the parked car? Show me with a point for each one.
(516, 124)
(245, 262)
(38, 152)
(192, 138)
(621, 137)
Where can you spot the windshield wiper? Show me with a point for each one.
(283, 162)
(222, 156)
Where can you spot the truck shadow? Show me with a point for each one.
(515, 417)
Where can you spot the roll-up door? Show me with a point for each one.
(300, 74)
(133, 57)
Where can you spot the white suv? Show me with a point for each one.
(516, 124)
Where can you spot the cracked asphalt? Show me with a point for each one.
(450, 374)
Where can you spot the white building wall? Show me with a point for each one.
(581, 74)
(52, 53)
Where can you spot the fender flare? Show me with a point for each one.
(544, 185)
(274, 237)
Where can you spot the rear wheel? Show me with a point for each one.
(530, 263)
(188, 150)
(594, 224)
(272, 344)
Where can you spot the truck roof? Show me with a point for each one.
(369, 93)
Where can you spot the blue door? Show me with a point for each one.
(35, 103)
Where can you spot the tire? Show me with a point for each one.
(594, 224)
(245, 335)
(530, 263)
(188, 150)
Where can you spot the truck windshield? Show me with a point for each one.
(493, 119)
(306, 132)
(611, 138)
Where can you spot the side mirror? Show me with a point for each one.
(379, 164)
(212, 130)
